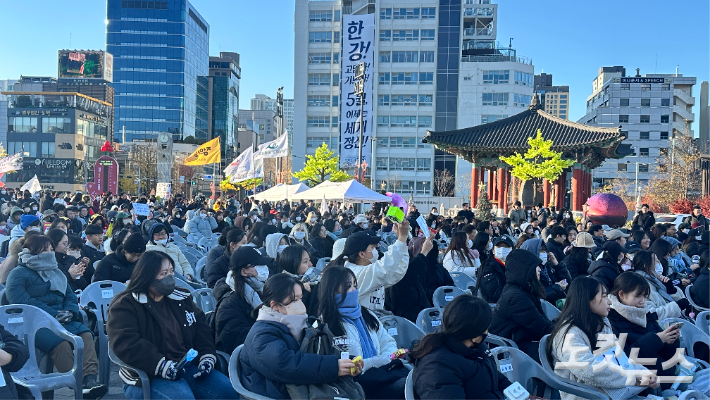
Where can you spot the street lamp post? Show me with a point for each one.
(360, 92)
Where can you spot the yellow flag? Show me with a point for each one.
(208, 153)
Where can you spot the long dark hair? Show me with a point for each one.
(36, 244)
(145, 271)
(465, 316)
(579, 256)
(458, 245)
(253, 236)
(577, 312)
(336, 280)
(278, 288)
(480, 242)
(643, 261)
(628, 282)
(290, 258)
(223, 238)
(56, 236)
(661, 248)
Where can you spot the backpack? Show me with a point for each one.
(319, 339)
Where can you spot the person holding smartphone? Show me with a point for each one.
(73, 268)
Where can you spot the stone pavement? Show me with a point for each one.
(115, 390)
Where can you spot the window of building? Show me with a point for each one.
(645, 102)
(645, 136)
(321, 16)
(563, 101)
(428, 12)
(383, 120)
(645, 119)
(643, 151)
(334, 102)
(404, 56)
(399, 121)
(625, 86)
(315, 142)
(643, 167)
(385, 13)
(320, 37)
(319, 58)
(623, 102)
(496, 76)
(336, 36)
(29, 149)
(427, 34)
(336, 79)
(467, 78)
(623, 119)
(664, 135)
(383, 78)
(405, 35)
(666, 86)
(645, 86)
(423, 187)
(563, 96)
(665, 102)
(22, 124)
(426, 56)
(385, 35)
(426, 78)
(563, 116)
(425, 99)
(488, 118)
(404, 99)
(425, 121)
(56, 125)
(318, 100)
(404, 78)
(664, 119)
(383, 99)
(621, 167)
(402, 164)
(423, 164)
(318, 79)
(562, 106)
(495, 99)
(403, 142)
(385, 56)
(521, 100)
(334, 122)
(318, 122)
(523, 78)
(381, 163)
(47, 149)
(406, 13)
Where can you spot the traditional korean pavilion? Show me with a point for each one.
(482, 145)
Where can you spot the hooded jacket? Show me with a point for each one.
(217, 270)
(20, 354)
(492, 280)
(199, 225)
(232, 319)
(659, 301)
(272, 244)
(604, 272)
(372, 279)
(182, 266)
(518, 314)
(453, 371)
(10, 262)
(11, 223)
(701, 288)
(550, 274)
(16, 233)
(114, 267)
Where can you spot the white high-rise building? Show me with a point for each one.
(652, 109)
(437, 67)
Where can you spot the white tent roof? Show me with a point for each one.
(351, 190)
(280, 192)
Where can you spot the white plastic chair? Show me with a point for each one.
(429, 319)
(409, 387)
(402, 330)
(204, 299)
(200, 269)
(689, 334)
(463, 281)
(235, 376)
(444, 295)
(702, 321)
(549, 309)
(690, 299)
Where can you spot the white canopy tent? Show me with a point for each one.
(280, 192)
(352, 191)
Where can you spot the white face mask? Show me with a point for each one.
(313, 220)
(490, 246)
(74, 253)
(501, 253)
(34, 208)
(298, 219)
(281, 248)
(365, 225)
(469, 243)
(299, 235)
(699, 238)
(273, 222)
(375, 255)
(35, 228)
(543, 257)
(263, 272)
(659, 270)
(4, 192)
(162, 241)
(126, 221)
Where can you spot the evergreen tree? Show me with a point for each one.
(483, 211)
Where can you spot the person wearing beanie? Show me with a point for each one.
(608, 268)
(27, 223)
(518, 315)
(118, 266)
(14, 218)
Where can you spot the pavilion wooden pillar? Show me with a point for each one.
(576, 189)
(475, 181)
(508, 191)
(502, 201)
(545, 193)
(490, 185)
(561, 190)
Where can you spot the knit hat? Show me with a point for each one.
(27, 220)
(134, 244)
(360, 219)
(338, 247)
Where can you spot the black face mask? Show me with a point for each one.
(387, 228)
(483, 340)
(164, 286)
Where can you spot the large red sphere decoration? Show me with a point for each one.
(607, 209)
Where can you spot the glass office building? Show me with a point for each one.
(160, 49)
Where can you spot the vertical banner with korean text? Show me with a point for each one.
(358, 47)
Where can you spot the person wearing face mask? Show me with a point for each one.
(320, 241)
(284, 224)
(491, 275)
(296, 261)
(382, 378)
(221, 223)
(375, 275)
(119, 265)
(455, 363)
(152, 325)
(299, 235)
(38, 281)
(459, 257)
(14, 218)
(200, 223)
(359, 224)
(159, 241)
(278, 331)
(176, 218)
(664, 298)
(4, 197)
(238, 294)
(518, 314)
(608, 267)
(578, 258)
(230, 241)
(27, 223)
(554, 276)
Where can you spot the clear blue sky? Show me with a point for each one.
(569, 39)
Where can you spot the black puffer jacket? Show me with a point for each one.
(217, 270)
(453, 371)
(232, 319)
(64, 262)
(491, 280)
(20, 354)
(114, 267)
(518, 314)
(643, 221)
(701, 287)
(408, 297)
(604, 272)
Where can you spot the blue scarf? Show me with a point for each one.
(351, 313)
